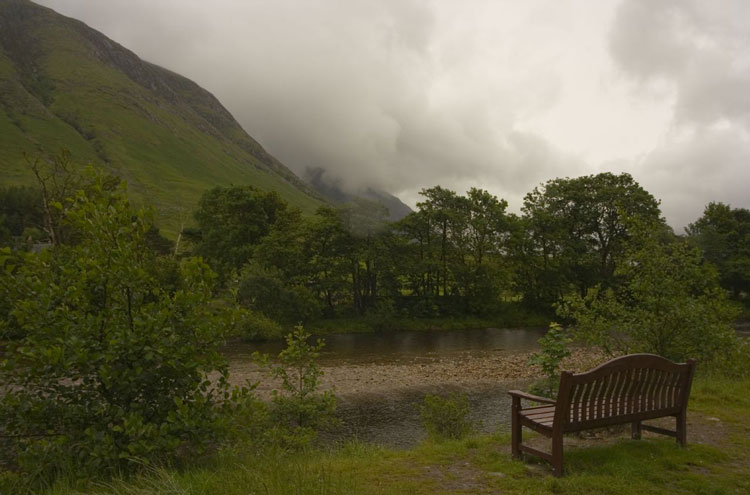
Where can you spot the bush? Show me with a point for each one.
(668, 303)
(446, 417)
(111, 367)
(255, 326)
(264, 291)
(299, 409)
(554, 350)
(734, 363)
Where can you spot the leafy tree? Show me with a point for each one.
(482, 245)
(446, 215)
(669, 303)
(575, 233)
(113, 365)
(723, 233)
(554, 349)
(455, 246)
(20, 214)
(231, 222)
(416, 254)
(299, 408)
(330, 248)
(282, 250)
(263, 290)
(369, 266)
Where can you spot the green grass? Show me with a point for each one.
(654, 465)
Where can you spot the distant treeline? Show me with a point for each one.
(456, 255)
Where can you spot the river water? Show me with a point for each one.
(390, 415)
(381, 379)
(399, 347)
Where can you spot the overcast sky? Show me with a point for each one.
(499, 94)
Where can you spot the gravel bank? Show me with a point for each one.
(463, 370)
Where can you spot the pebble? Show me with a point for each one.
(469, 369)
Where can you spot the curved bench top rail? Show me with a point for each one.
(627, 386)
(646, 361)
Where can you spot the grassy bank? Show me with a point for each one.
(715, 461)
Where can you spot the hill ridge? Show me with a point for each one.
(64, 83)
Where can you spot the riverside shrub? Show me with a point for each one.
(112, 365)
(668, 302)
(554, 350)
(299, 409)
(446, 417)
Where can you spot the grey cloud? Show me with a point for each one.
(701, 48)
(696, 168)
(370, 91)
(407, 94)
(699, 52)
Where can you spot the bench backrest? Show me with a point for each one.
(628, 388)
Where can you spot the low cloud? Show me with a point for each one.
(697, 56)
(406, 94)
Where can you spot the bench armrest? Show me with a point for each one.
(535, 398)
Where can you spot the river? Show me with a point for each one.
(382, 378)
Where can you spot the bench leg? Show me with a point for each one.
(681, 428)
(515, 428)
(557, 455)
(635, 430)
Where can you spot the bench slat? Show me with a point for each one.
(629, 389)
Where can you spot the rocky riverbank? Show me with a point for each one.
(461, 369)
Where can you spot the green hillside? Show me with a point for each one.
(63, 84)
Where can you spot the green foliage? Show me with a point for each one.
(733, 362)
(446, 417)
(554, 350)
(251, 325)
(20, 210)
(299, 409)
(264, 291)
(455, 246)
(112, 364)
(574, 234)
(232, 220)
(723, 234)
(669, 303)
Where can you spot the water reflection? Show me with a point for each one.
(395, 347)
(391, 418)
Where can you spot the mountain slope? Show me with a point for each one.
(332, 191)
(63, 84)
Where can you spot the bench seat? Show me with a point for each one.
(628, 389)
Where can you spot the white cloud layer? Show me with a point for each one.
(407, 94)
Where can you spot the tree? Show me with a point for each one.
(554, 346)
(668, 303)
(577, 233)
(446, 216)
(20, 214)
(232, 221)
(484, 241)
(299, 408)
(366, 222)
(113, 365)
(723, 234)
(329, 246)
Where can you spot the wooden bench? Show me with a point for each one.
(628, 389)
